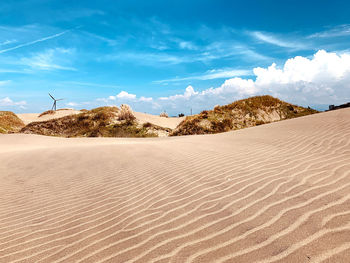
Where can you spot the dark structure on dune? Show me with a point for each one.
(342, 106)
(54, 102)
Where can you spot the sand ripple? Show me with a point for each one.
(273, 193)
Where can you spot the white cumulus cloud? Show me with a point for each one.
(125, 95)
(321, 79)
(189, 92)
(147, 99)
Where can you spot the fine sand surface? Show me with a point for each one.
(274, 193)
(170, 122)
(32, 117)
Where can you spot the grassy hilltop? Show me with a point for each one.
(121, 122)
(240, 114)
(99, 122)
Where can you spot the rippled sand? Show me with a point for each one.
(273, 193)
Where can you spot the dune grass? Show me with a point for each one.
(9, 122)
(48, 112)
(240, 114)
(98, 122)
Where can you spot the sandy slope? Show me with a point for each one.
(170, 122)
(273, 193)
(31, 117)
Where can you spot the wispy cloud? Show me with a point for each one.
(34, 41)
(4, 82)
(89, 84)
(109, 41)
(155, 44)
(273, 40)
(2, 70)
(187, 45)
(9, 102)
(338, 31)
(155, 59)
(7, 42)
(50, 59)
(228, 48)
(211, 74)
(148, 58)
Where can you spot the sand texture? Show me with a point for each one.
(33, 117)
(274, 193)
(170, 122)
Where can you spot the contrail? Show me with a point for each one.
(35, 41)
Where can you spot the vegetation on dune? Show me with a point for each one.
(125, 113)
(240, 114)
(164, 114)
(51, 112)
(9, 122)
(121, 122)
(48, 112)
(99, 122)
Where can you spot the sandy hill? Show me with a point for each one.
(83, 123)
(104, 121)
(9, 122)
(240, 114)
(99, 122)
(47, 115)
(273, 193)
(142, 118)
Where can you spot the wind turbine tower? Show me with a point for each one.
(54, 102)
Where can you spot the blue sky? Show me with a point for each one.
(172, 55)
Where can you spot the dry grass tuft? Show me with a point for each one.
(9, 122)
(164, 114)
(126, 113)
(64, 109)
(52, 112)
(240, 114)
(48, 112)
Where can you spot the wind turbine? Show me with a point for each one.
(54, 102)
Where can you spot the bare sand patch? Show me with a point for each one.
(170, 122)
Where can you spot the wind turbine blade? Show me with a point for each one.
(51, 96)
(59, 99)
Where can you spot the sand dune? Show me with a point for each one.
(32, 117)
(274, 193)
(170, 122)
